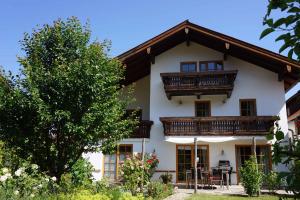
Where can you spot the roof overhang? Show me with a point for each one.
(138, 60)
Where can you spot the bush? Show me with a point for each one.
(81, 172)
(26, 182)
(251, 177)
(101, 185)
(158, 190)
(166, 178)
(84, 195)
(272, 181)
(136, 173)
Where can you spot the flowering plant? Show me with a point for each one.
(136, 173)
(152, 161)
(25, 182)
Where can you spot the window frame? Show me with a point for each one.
(117, 163)
(250, 100)
(209, 106)
(211, 61)
(188, 62)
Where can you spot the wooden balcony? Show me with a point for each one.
(143, 131)
(199, 83)
(227, 125)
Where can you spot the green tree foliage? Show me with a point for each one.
(289, 25)
(288, 154)
(66, 100)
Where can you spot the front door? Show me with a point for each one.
(186, 157)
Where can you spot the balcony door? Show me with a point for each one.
(185, 158)
(263, 152)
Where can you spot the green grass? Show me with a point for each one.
(228, 197)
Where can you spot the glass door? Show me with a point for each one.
(186, 159)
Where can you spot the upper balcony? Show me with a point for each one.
(143, 130)
(199, 83)
(220, 125)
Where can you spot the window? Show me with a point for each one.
(112, 162)
(210, 66)
(202, 108)
(248, 107)
(188, 67)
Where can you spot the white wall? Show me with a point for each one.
(251, 82)
(142, 96)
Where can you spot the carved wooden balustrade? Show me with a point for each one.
(143, 131)
(198, 83)
(223, 125)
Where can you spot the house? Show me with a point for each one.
(293, 112)
(192, 82)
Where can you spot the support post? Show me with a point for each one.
(143, 149)
(195, 167)
(255, 156)
(143, 158)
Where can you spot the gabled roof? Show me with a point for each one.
(137, 59)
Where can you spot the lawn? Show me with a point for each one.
(227, 197)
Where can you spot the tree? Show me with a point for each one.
(289, 25)
(288, 154)
(66, 100)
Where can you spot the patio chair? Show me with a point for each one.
(188, 177)
(216, 177)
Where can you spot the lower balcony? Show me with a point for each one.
(143, 131)
(219, 125)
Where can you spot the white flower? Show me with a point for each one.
(32, 195)
(34, 188)
(47, 179)
(16, 192)
(18, 172)
(34, 166)
(40, 186)
(53, 178)
(8, 175)
(4, 170)
(3, 178)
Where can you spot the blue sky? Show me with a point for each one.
(129, 23)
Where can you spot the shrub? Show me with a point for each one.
(84, 195)
(128, 196)
(101, 185)
(152, 161)
(26, 182)
(272, 181)
(158, 190)
(81, 172)
(136, 173)
(166, 178)
(251, 177)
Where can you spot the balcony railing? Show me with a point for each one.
(227, 125)
(198, 83)
(143, 131)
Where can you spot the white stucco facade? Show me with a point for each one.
(252, 82)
